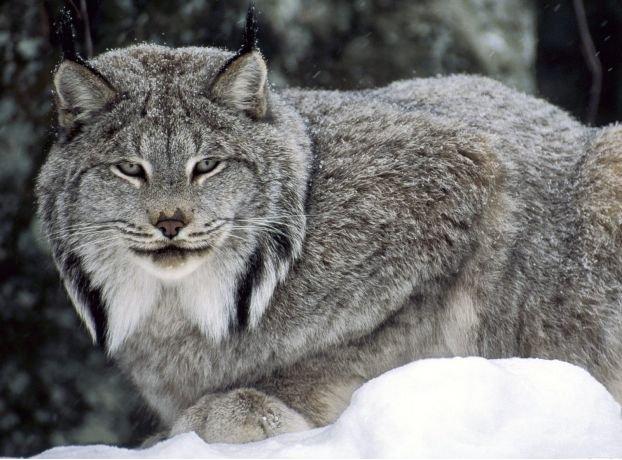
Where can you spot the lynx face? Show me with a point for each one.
(172, 196)
(175, 170)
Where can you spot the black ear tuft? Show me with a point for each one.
(250, 31)
(66, 34)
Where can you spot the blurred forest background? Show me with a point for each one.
(55, 387)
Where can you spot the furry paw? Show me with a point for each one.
(242, 415)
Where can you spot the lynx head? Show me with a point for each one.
(177, 174)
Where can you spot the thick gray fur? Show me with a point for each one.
(431, 218)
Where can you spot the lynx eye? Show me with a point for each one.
(205, 166)
(132, 169)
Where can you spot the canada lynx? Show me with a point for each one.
(250, 257)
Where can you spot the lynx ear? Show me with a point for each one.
(242, 84)
(81, 92)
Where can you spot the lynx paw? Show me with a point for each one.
(242, 415)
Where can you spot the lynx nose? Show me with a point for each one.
(170, 225)
(170, 228)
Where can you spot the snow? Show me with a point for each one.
(460, 407)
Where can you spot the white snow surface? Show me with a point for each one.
(459, 407)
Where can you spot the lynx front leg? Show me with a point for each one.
(238, 416)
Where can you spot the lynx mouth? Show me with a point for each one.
(171, 262)
(170, 254)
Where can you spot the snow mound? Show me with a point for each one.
(460, 407)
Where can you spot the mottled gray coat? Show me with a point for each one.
(324, 237)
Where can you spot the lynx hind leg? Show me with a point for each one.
(239, 416)
(600, 189)
(599, 198)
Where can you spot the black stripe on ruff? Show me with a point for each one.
(249, 279)
(87, 295)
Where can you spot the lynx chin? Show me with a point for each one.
(249, 257)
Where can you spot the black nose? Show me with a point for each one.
(170, 227)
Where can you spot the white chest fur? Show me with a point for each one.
(130, 291)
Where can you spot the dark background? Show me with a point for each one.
(55, 387)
